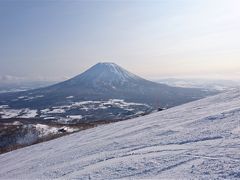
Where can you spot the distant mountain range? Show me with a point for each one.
(210, 84)
(102, 84)
(23, 86)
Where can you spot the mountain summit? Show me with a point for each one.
(104, 81)
(105, 74)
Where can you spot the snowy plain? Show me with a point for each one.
(56, 112)
(198, 140)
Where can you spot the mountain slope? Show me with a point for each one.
(198, 140)
(104, 81)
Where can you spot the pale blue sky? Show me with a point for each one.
(165, 38)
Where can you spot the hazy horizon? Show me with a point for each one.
(54, 41)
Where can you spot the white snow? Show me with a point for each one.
(27, 98)
(49, 118)
(121, 73)
(45, 130)
(3, 106)
(84, 103)
(20, 113)
(22, 97)
(69, 130)
(33, 97)
(56, 111)
(39, 96)
(90, 105)
(75, 117)
(236, 130)
(45, 110)
(192, 141)
(28, 113)
(17, 123)
(69, 97)
(140, 112)
(9, 113)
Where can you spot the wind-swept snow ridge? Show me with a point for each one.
(198, 140)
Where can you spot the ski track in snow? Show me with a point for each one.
(198, 140)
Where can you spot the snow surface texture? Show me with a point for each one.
(45, 130)
(198, 140)
(7, 113)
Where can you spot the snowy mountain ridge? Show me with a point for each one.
(198, 140)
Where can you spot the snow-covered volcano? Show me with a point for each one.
(104, 81)
(198, 140)
(106, 73)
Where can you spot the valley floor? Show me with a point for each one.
(198, 140)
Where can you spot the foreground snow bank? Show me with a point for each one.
(196, 140)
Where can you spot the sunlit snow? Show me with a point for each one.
(198, 140)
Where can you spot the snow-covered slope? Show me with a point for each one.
(196, 140)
